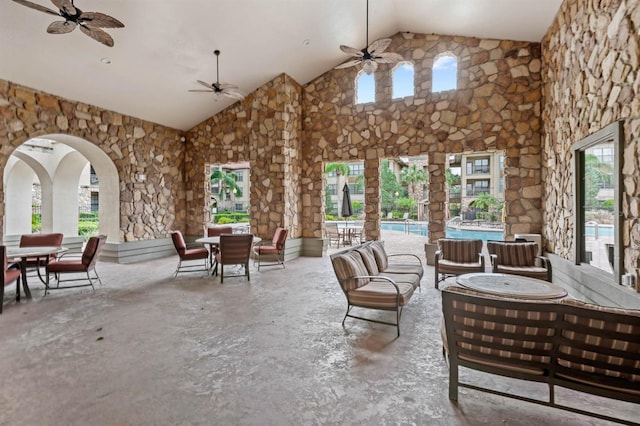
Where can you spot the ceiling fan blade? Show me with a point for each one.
(388, 58)
(61, 27)
(370, 67)
(233, 94)
(97, 34)
(378, 46)
(205, 84)
(66, 6)
(224, 86)
(198, 90)
(37, 7)
(351, 51)
(100, 20)
(348, 64)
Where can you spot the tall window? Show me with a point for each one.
(365, 88)
(477, 187)
(356, 169)
(239, 176)
(403, 80)
(445, 73)
(478, 166)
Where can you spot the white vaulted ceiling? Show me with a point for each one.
(167, 45)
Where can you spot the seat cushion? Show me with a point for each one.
(369, 260)
(347, 266)
(527, 271)
(516, 254)
(449, 267)
(11, 275)
(413, 279)
(461, 251)
(197, 253)
(265, 249)
(67, 266)
(380, 254)
(381, 295)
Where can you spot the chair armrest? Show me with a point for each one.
(494, 262)
(407, 255)
(546, 263)
(70, 254)
(263, 243)
(481, 259)
(438, 255)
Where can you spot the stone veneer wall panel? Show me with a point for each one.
(496, 107)
(147, 210)
(263, 129)
(591, 78)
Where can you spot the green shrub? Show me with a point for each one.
(36, 223)
(223, 220)
(88, 228)
(330, 217)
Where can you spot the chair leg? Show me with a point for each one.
(246, 268)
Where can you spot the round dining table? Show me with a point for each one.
(26, 253)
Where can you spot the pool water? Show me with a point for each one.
(422, 229)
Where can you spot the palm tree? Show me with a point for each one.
(414, 178)
(227, 184)
(485, 202)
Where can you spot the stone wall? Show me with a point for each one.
(495, 107)
(591, 63)
(147, 210)
(263, 129)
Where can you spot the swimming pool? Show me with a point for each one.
(421, 228)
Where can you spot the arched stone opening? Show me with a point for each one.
(59, 182)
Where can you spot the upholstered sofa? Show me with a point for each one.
(370, 278)
(564, 343)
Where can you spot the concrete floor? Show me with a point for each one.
(147, 349)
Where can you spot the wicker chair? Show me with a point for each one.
(457, 257)
(519, 258)
(235, 249)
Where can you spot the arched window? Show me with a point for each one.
(403, 81)
(445, 73)
(365, 88)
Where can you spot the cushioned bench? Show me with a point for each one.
(565, 343)
(370, 278)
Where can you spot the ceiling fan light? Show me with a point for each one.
(369, 66)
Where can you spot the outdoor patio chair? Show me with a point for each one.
(215, 231)
(332, 233)
(519, 258)
(188, 255)
(10, 273)
(457, 257)
(40, 240)
(272, 251)
(72, 264)
(235, 249)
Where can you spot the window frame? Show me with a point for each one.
(611, 133)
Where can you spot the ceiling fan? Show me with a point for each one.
(372, 55)
(228, 90)
(89, 22)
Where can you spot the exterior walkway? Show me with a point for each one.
(148, 349)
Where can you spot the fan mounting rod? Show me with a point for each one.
(217, 53)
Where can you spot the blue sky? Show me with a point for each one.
(445, 71)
